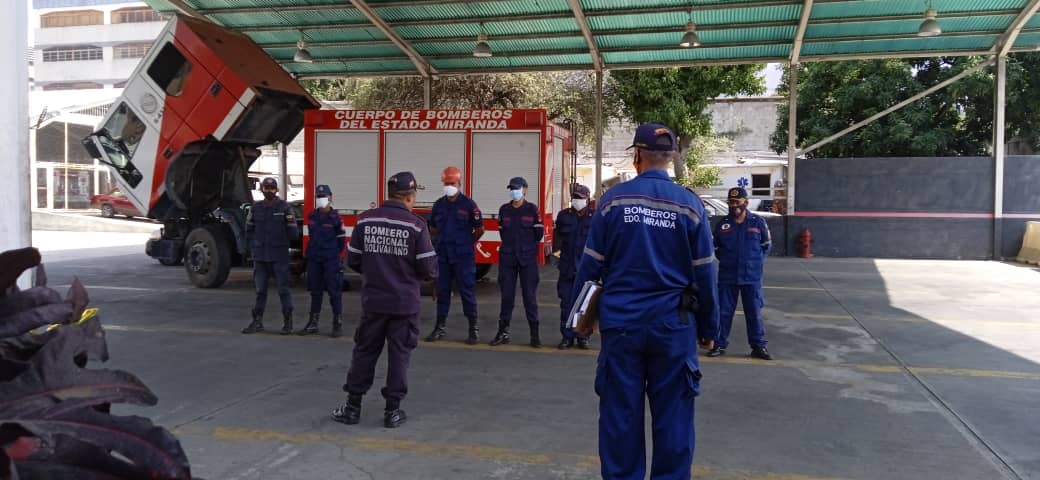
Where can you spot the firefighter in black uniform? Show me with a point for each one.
(270, 226)
(391, 249)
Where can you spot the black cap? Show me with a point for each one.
(403, 182)
(516, 183)
(737, 193)
(269, 182)
(322, 191)
(580, 191)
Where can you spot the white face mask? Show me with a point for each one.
(322, 202)
(516, 195)
(451, 190)
(579, 204)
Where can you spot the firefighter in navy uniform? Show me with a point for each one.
(569, 235)
(742, 243)
(270, 226)
(324, 261)
(520, 225)
(391, 249)
(456, 225)
(650, 244)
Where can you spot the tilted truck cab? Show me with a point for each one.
(183, 135)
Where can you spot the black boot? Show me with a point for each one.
(286, 323)
(583, 343)
(502, 337)
(536, 340)
(257, 324)
(438, 331)
(312, 325)
(393, 416)
(349, 413)
(474, 330)
(337, 326)
(565, 343)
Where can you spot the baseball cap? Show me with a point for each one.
(323, 191)
(736, 193)
(580, 191)
(402, 182)
(654, 137)
(516, 183)
(269, 182)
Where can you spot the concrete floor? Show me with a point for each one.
(886, 370)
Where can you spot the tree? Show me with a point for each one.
(957, 120)
(679, 97)
(702, 149)
(564, 95)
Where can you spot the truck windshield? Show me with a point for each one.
(122, 133)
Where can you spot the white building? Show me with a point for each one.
(83, 51)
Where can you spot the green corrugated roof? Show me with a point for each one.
(545, 35)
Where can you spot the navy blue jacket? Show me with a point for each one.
(455, 221)
(391, 249)
(569, 236)
(521, 229)
(742, 249)
(650, 239)
(269, 229)
(326, 235)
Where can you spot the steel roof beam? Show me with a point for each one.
(583, 24)
(1007, 41)
(799, 36)
(186, 9)
(642, 65)
(420, 63)
(655, 48)
(634, 11)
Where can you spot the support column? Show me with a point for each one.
(792, 135)
(999, 125)
(283, 170)
(599, 135)
(427, 87)
(16, 222)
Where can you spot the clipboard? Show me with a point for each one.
(584, 315)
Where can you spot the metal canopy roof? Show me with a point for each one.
(437, 37)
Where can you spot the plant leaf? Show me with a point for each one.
(36, 470)
(76, 453)
(13, 263)
(26, 320)
(26, 299)
(151, 448)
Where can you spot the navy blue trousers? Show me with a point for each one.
(463, 275)
(509, 271)
(657, 359)
(262, 272)
(325, 275)
(400, 333)
(751, 297)
(565, 290)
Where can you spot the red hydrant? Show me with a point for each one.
(805, 239)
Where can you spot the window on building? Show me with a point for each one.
(76, 18)
(131, 50)
(170, 70)
(136, 15)
(72, 54)
(760, 185)
(73, 86)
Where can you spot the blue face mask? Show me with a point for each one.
(516, 194)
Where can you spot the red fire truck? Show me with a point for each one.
(181, 139)
(354, 151)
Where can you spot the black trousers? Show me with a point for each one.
(401, 335)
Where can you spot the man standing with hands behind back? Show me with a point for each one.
(742, 243)
(650, 244)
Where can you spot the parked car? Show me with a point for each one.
(114, 203)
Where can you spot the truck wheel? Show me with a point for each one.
(482, 270)
(207, 257)
(107, 211)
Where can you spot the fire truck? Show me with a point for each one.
(183, 135)
(354, 151)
